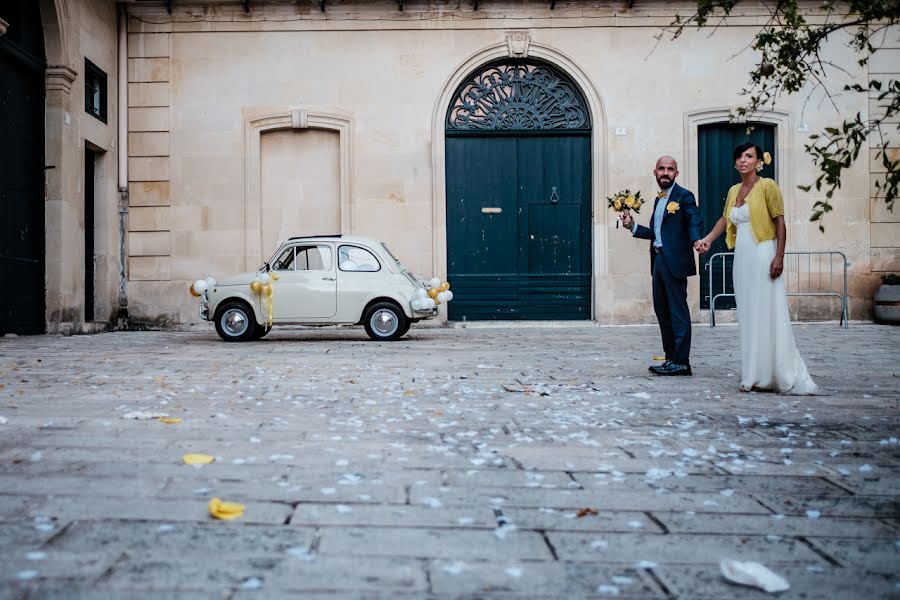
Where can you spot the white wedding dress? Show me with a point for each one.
(769, 357)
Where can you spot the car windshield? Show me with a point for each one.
(389, 253)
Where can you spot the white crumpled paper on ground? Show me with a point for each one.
(752, 574)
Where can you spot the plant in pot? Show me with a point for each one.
(887, 300)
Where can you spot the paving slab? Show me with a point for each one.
(497, 461)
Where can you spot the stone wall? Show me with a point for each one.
(222, 163)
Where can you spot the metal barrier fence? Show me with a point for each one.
(797, 281)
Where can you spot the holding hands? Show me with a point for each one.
(627, 220)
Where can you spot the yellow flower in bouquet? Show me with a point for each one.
(625, 199)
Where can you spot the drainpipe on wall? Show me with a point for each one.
(122, 316)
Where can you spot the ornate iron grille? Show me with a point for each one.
(517, 96)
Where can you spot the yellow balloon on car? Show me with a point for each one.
(255, 286)
(433, 292)
(194, 292)
(268, 289)
(444, 286)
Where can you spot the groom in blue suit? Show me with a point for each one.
(674, 233)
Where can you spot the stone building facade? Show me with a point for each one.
(247, 122)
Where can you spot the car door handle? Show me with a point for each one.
(329, 279)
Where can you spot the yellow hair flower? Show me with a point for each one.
(767, 158)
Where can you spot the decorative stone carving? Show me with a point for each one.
(517, 44)
(517, 95)
(299, 118)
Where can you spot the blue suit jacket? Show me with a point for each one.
(679, 231)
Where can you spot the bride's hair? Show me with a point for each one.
(744, 147)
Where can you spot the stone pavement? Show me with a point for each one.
(482, 462)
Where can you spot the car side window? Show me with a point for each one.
(313, 258)
(285, 262)
(354, 258)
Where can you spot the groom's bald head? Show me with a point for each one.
(665, 172)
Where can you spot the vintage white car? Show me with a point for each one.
(320, 280)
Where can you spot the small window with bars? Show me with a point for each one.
(94, 90)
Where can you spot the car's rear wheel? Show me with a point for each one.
(385, 322)
(235, 322)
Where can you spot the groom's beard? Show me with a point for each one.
(664, 183)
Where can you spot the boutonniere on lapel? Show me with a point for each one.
(672, 207)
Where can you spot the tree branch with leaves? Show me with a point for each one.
(791, 49)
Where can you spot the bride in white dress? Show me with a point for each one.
(754, 224)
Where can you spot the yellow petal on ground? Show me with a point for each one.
(169, 420)
(659, 358)
(225, 511)
(197, 459)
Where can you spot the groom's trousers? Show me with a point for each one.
(670, 304)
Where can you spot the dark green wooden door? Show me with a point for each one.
(518, 173)
(22, 67)
(716, 143)
(518, 227)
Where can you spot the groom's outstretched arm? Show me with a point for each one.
(639, 231)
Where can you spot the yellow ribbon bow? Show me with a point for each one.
(661, 194)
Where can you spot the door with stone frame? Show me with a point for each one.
(518, 176)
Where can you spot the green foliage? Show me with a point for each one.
(890, 279)
(790, 62)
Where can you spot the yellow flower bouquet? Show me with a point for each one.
(624, 201)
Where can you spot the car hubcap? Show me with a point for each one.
(234, 322)
(384, 322)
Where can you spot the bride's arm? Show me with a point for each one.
(777, 265)
(714, 234)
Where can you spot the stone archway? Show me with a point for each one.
(518, 45)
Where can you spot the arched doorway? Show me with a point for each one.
(22, 66)
(518, 184)
(716, 173)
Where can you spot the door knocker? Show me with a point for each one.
(554, 197)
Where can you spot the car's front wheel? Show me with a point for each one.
(235, 322)
(385, 322)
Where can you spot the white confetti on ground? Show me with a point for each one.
(641, 395)
(432, 502)
(3, 421)
(26, 574)
(454, 569)
(645, 564)
(301, 553)
(254, 583)
(608, 590)
(328, 491)
(813, 514)
(36, 555)
(514, 572)
(598, 544)
(635, 524)
(504, 530)
(727, 493)
(343, 509)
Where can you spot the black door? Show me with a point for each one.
(716, 143)
(22, 67)
(518, 173)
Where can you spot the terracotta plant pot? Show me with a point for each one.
(887, 304)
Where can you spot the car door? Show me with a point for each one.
(307, 287)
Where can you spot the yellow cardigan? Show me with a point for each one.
(765, 204)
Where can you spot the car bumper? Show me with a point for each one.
(427, 313)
